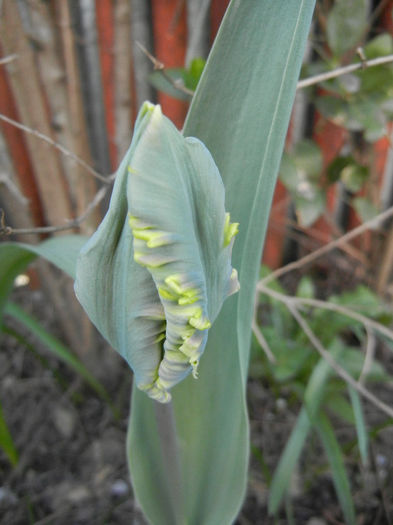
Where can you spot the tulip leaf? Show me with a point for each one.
(240, 111)
(16, 256)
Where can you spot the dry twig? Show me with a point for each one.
(335, 366)
(159, 66)
(8, 59)
(370, 351)
(292, 304)
(340, 71)
(71, 224)
(337, 243)
(306, 82)
(325, 305)
(59, 147)
(262, 341)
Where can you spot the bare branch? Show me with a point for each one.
(337, 243)
(8, 59)
(262, 342)
(159, 66)
(370, 351)
(328, 75)
(334, 365)
(325, 305)
(13, 189)
(59, 147)
(290, 303)
(306, 82)
(71, 224)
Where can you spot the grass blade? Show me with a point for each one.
(360, 424)
(336, 462)
(56, 348)
(6, 441)
(313, 398)
(288, 460)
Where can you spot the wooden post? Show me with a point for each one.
(170, 41)
(33, 111)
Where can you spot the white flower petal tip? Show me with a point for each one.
(154, 276)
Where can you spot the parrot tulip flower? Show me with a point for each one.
(154, 276)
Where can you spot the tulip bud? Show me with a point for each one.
(154, 275)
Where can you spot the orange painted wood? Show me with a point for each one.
(387, 19)
(277, 227)
(29, 98)
(17, 148)
(217, 11)
(381, 147)
(276, 232)
(330, 138)
(170, 41)
(105, 27)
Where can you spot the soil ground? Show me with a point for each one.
(72, 468)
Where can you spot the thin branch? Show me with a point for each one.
(291, 304)
(370, 351)
(159, 66)
(306, 82)
(262, 342)
(334, 365)
(71, 224)
(364, 64)
(337, 243)
(13, 189)
(325, 305)
(8, 59)
(59, 147)
(324, 237)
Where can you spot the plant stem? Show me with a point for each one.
(170, 454)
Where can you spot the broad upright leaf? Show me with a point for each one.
(240, 111)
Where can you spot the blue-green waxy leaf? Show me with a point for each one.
(155, 274)
(240, 110)
(16, 256)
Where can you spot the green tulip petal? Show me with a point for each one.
(176, 201)
(117, 293)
